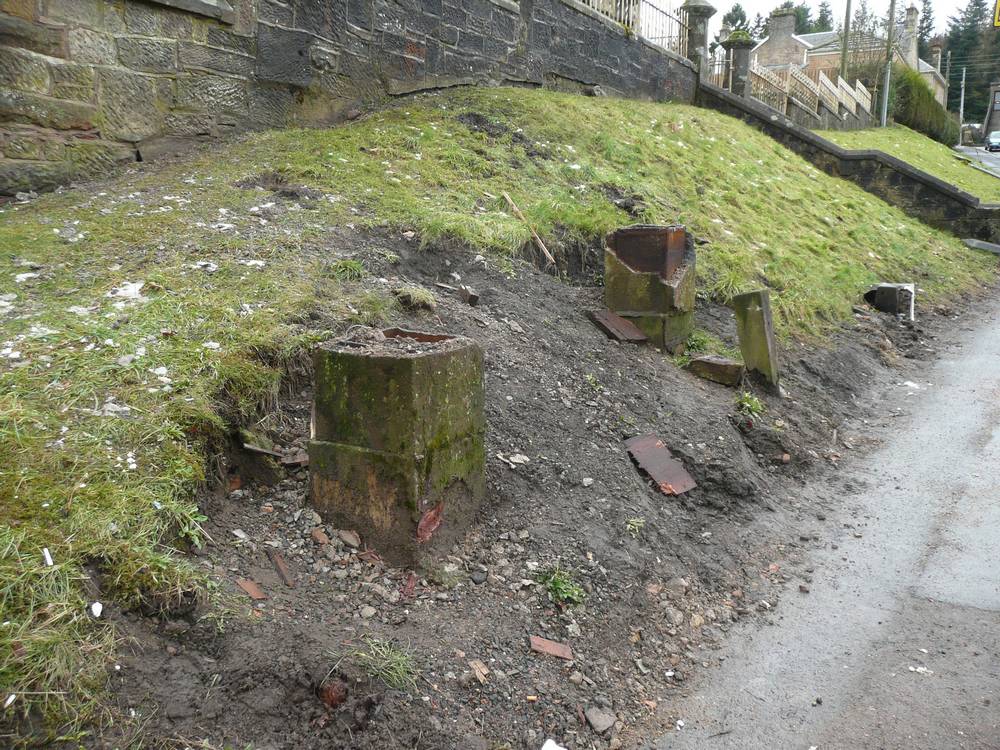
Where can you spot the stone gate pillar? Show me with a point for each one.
(697, 13)
(738, 47)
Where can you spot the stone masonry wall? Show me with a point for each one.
(915, 192)
(87, 83)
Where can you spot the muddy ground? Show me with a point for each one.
(659, 598)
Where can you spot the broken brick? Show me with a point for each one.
(254, 591)
(617, 327)
(653, 457)
(551, 648)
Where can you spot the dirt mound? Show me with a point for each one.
(658, 579)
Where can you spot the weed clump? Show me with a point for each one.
(383, 661)
(561, 587)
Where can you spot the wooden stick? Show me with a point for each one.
(534, 234)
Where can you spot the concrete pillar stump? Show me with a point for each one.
(756, 332)
(397, 450)
(738, 51)
(649, 278)
(696, 14)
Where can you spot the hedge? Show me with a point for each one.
(912, 103)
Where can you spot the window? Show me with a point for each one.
(220, 9)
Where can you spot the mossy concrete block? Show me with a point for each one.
(649, 270)
(665, 331)
(398, 435)
(756, 333)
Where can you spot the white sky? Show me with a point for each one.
(942, 10)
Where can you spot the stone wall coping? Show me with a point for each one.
(218, 9)
(508, 5)
(672, 55)
(768, 115)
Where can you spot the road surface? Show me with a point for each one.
(899, 636)
(987, 159)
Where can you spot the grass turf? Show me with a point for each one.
(113, 394)
(923, 153)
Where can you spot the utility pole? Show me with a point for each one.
(961, 108)
(890, 27)
(844, 42)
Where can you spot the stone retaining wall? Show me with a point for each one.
(86, 83)
(915, 192)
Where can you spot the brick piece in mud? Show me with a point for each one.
(756, 333)
(717, 369)
(398, 440)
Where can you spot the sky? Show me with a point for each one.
(942, 10)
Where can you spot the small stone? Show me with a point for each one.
(350, 538)
(319, 536)
(367, 612)
(576, 678)
(697, 621)
(588, 482)
(599, 719)
(478, 577)
(676, 587)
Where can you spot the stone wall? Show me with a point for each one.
(86, 83)
(898, 183)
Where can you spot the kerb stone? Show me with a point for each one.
(756, 333)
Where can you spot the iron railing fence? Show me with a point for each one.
(656, 21)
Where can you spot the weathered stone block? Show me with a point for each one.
(24, 71)
(210, 92)
(283, 56)
(25, 9)
(209, 58)
(88, 46)
(17, 175)
(46, 39)
(132, 104)
(147, 55)
(756, 333)
(717, 369)
(398, 440)
(71, 81)
(20, 106)
(36, 145)
(74, 11)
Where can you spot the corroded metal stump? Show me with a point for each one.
(649, 278)
(397, 449)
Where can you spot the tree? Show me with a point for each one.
(736, 19)
(824, 21)
(925, 28)
(972, 43)
(759, 28)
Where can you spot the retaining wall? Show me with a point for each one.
(87, 83)
(917, 193)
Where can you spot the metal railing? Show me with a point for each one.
(720, 69)
(624, 12)
(767, 87)
(658, 22)
(661, 25)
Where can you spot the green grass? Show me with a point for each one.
(748, 404)
(923, 153)
(235, 293)
(385, 662)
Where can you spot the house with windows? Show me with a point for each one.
(820, 52)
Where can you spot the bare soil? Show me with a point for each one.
(664, 577)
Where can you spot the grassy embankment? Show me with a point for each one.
(923, 153)
(112, 396)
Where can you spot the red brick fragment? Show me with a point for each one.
(551, 648)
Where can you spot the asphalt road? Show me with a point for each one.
(899, 636)
(988, 159)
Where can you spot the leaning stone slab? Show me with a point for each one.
(756, 333)
(980, 245)
(895, 299)
(717, 369)
(397, 449)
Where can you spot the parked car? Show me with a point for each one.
(993, 141)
